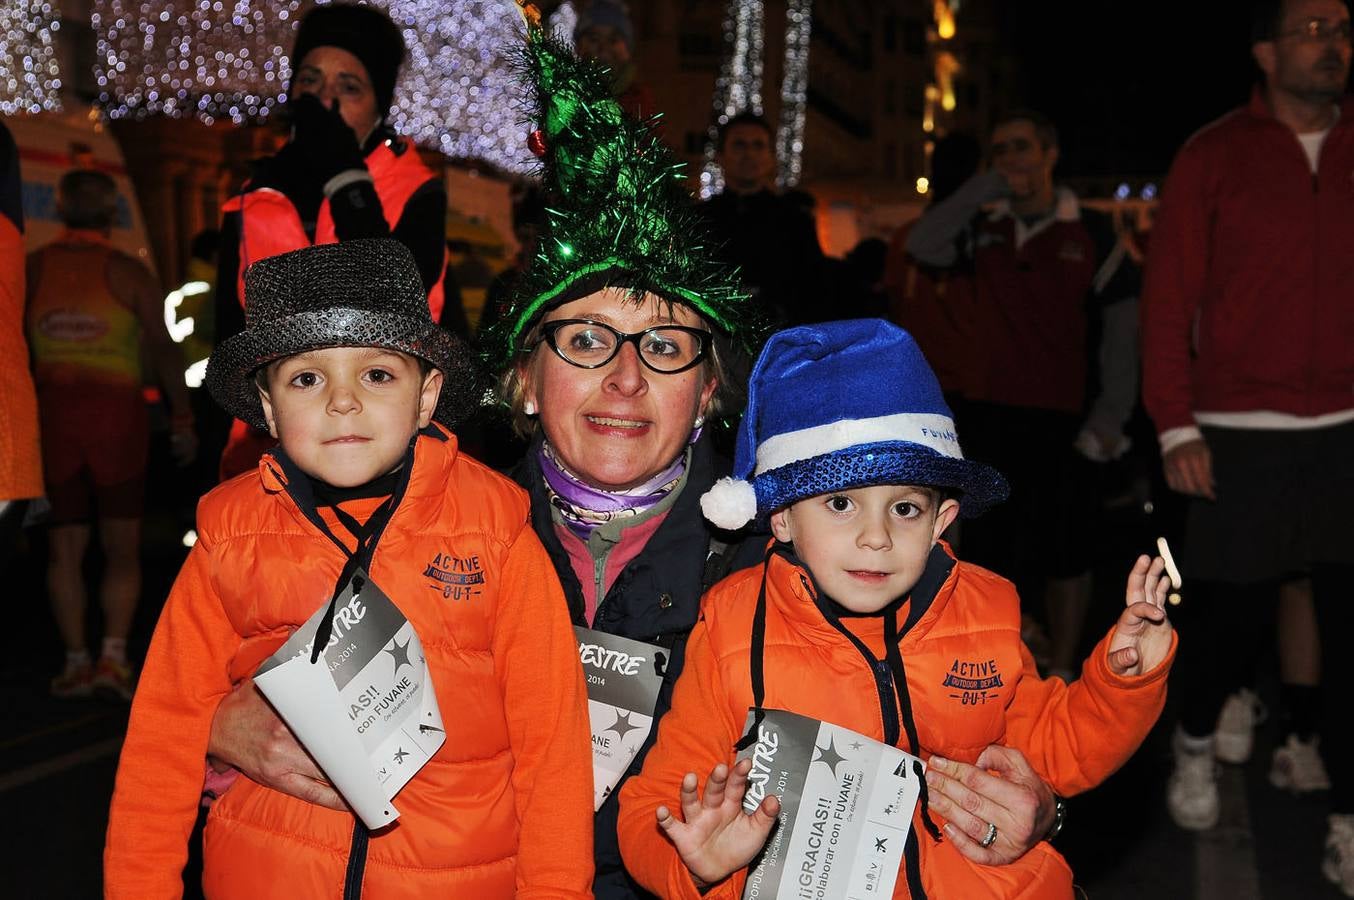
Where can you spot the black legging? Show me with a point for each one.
(1222, 627)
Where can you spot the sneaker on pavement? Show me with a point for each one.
(1297, 766)
(1192, 792)
(74, 681)
(1338, 864)
(1235, 737)
(113, 679)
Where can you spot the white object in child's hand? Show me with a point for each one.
(1164, 550)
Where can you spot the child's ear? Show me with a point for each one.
(427, 397)
(267, 410)
(780, 526)
(944, 517)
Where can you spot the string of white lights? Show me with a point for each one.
(738, 88)
(563, 21)
(209, 58)
(228, 59)
(794, 87)
(30, 80)
(458, 91)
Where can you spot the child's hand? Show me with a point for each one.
(717, 838)
(1143, 636)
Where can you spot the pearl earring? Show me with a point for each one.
(529, 407)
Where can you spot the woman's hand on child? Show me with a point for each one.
(1001, 789)
(1143, 636)
(247, 734)
(714, 837)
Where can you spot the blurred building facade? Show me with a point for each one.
(886, 77)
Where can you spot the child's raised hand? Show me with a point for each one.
(1143, 636)
(714, 837)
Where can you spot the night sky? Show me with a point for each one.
(1127, 82)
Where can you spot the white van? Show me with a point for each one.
(53, 143)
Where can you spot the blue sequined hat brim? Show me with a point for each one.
(892, 462)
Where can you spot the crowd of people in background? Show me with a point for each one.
(1217, 366)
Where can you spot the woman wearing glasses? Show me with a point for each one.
(613, 391)
(614, 358)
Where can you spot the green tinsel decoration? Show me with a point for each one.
(618, 213)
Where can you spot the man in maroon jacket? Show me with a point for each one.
(1051, 377)
(1247, 317)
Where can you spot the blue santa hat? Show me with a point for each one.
(842, 405)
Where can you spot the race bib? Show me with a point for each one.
(623, 677)
(366, 709)
(846, 808)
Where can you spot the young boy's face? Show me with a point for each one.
(867, 546)
(345, 414)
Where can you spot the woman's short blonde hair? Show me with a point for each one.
(717, 365)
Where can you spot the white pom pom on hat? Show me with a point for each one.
(730, 503)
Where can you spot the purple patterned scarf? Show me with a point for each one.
(584, 507)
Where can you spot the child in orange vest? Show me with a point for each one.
(862, 617)
(343, 364)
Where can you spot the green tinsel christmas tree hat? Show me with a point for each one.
(617, 213)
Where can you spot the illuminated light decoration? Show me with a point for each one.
(214, 59)
(943, 12)
(923, 185)
(1123, 192)
(563, 21)
(459, 91)
(181, 328)
(194, 375)
(1149, 192)
(947, 67)
(739, 85)
(30, 80)
(794, 91)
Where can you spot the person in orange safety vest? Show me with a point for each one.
(342, 175)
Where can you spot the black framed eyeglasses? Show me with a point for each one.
(667, 349)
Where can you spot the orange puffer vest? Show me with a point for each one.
(502, 810)
(970, 683)
(20, 460)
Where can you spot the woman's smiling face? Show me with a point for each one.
(617, 426)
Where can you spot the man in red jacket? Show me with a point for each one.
(1249, 377)
(1051, 374)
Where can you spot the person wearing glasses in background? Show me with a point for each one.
(1247, 315)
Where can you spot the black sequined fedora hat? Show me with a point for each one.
(362, 293)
